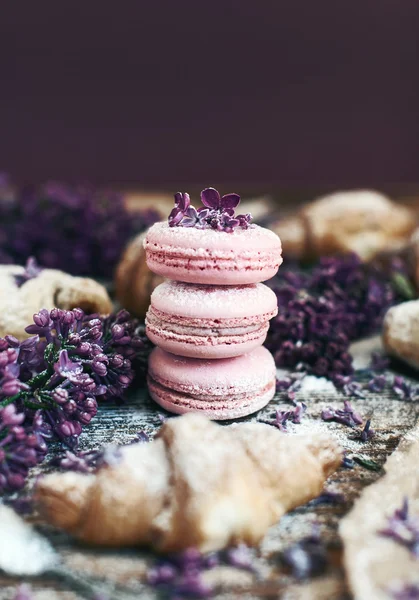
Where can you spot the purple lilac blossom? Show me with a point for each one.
(32, 270)
(347, 416)
(79, 229)
(216, 213)
(403, 528)
(282, 416)
(322, 311)
(51, 387)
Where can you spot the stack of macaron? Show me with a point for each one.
(210, 318)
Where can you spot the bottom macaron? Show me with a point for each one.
(219, 389)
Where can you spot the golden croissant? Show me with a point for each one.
(51, 288)
(197, 484)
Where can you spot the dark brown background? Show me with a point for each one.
(276, 92)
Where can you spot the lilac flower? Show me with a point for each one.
(377, 383)
(306, 558)
(32, 270)
(79, 229)
(21, 447)
(212, 200)
(282, 416)
(240, 557)
(180, 576)
(289, 385)
(182, 204)
(403, 528)
(348, 462)
(216, 213)
(328, 497)
(322, 311)
(56, 383)
(367, 433)
(404, 591)
(379, 362)
(401, 388)
(347, 416)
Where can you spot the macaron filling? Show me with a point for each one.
(212, 331)
(211, 400)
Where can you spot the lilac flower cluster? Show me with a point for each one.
(404, 591)
(50, 384)
(216, 213)
(77, 229)
(282, 416)
(403, 528)
(21, 446)
(322, 311)
(181, 575)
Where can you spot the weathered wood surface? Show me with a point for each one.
(391, 418)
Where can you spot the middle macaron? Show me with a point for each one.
(204, 321)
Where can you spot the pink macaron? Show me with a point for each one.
(213, 257)
(222, 389)
(202, 321)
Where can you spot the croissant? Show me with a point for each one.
(134, 282)
(197, 484)
(361, 221)
(49, 289)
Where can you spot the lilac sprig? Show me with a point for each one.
(181, 575)
(21, 446)
(404, 591)
(403, 528)
(283, 416)
(216, 213)
(79, 229)
(52, 382)
(346, 416)
(322, 311)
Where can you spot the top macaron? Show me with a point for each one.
(212, 245)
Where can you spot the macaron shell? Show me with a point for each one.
(243, 374)
(202, 321)
(208, 301)
(213, 257)
(221, 389)
(218, 410)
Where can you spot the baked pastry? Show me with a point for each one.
(227, 388)
(197, 484)
(20, 299)
(401, 332)
(134, 282)
(380, 533)
(203, 321)
(361, 221)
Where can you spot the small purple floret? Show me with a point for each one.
(282, 416)
(32, 270)
(403, 528)
(216, 213)
(347, 416)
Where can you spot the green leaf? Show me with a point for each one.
(403, 286)
(371, 465)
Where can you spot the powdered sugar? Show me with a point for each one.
(209, 301)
